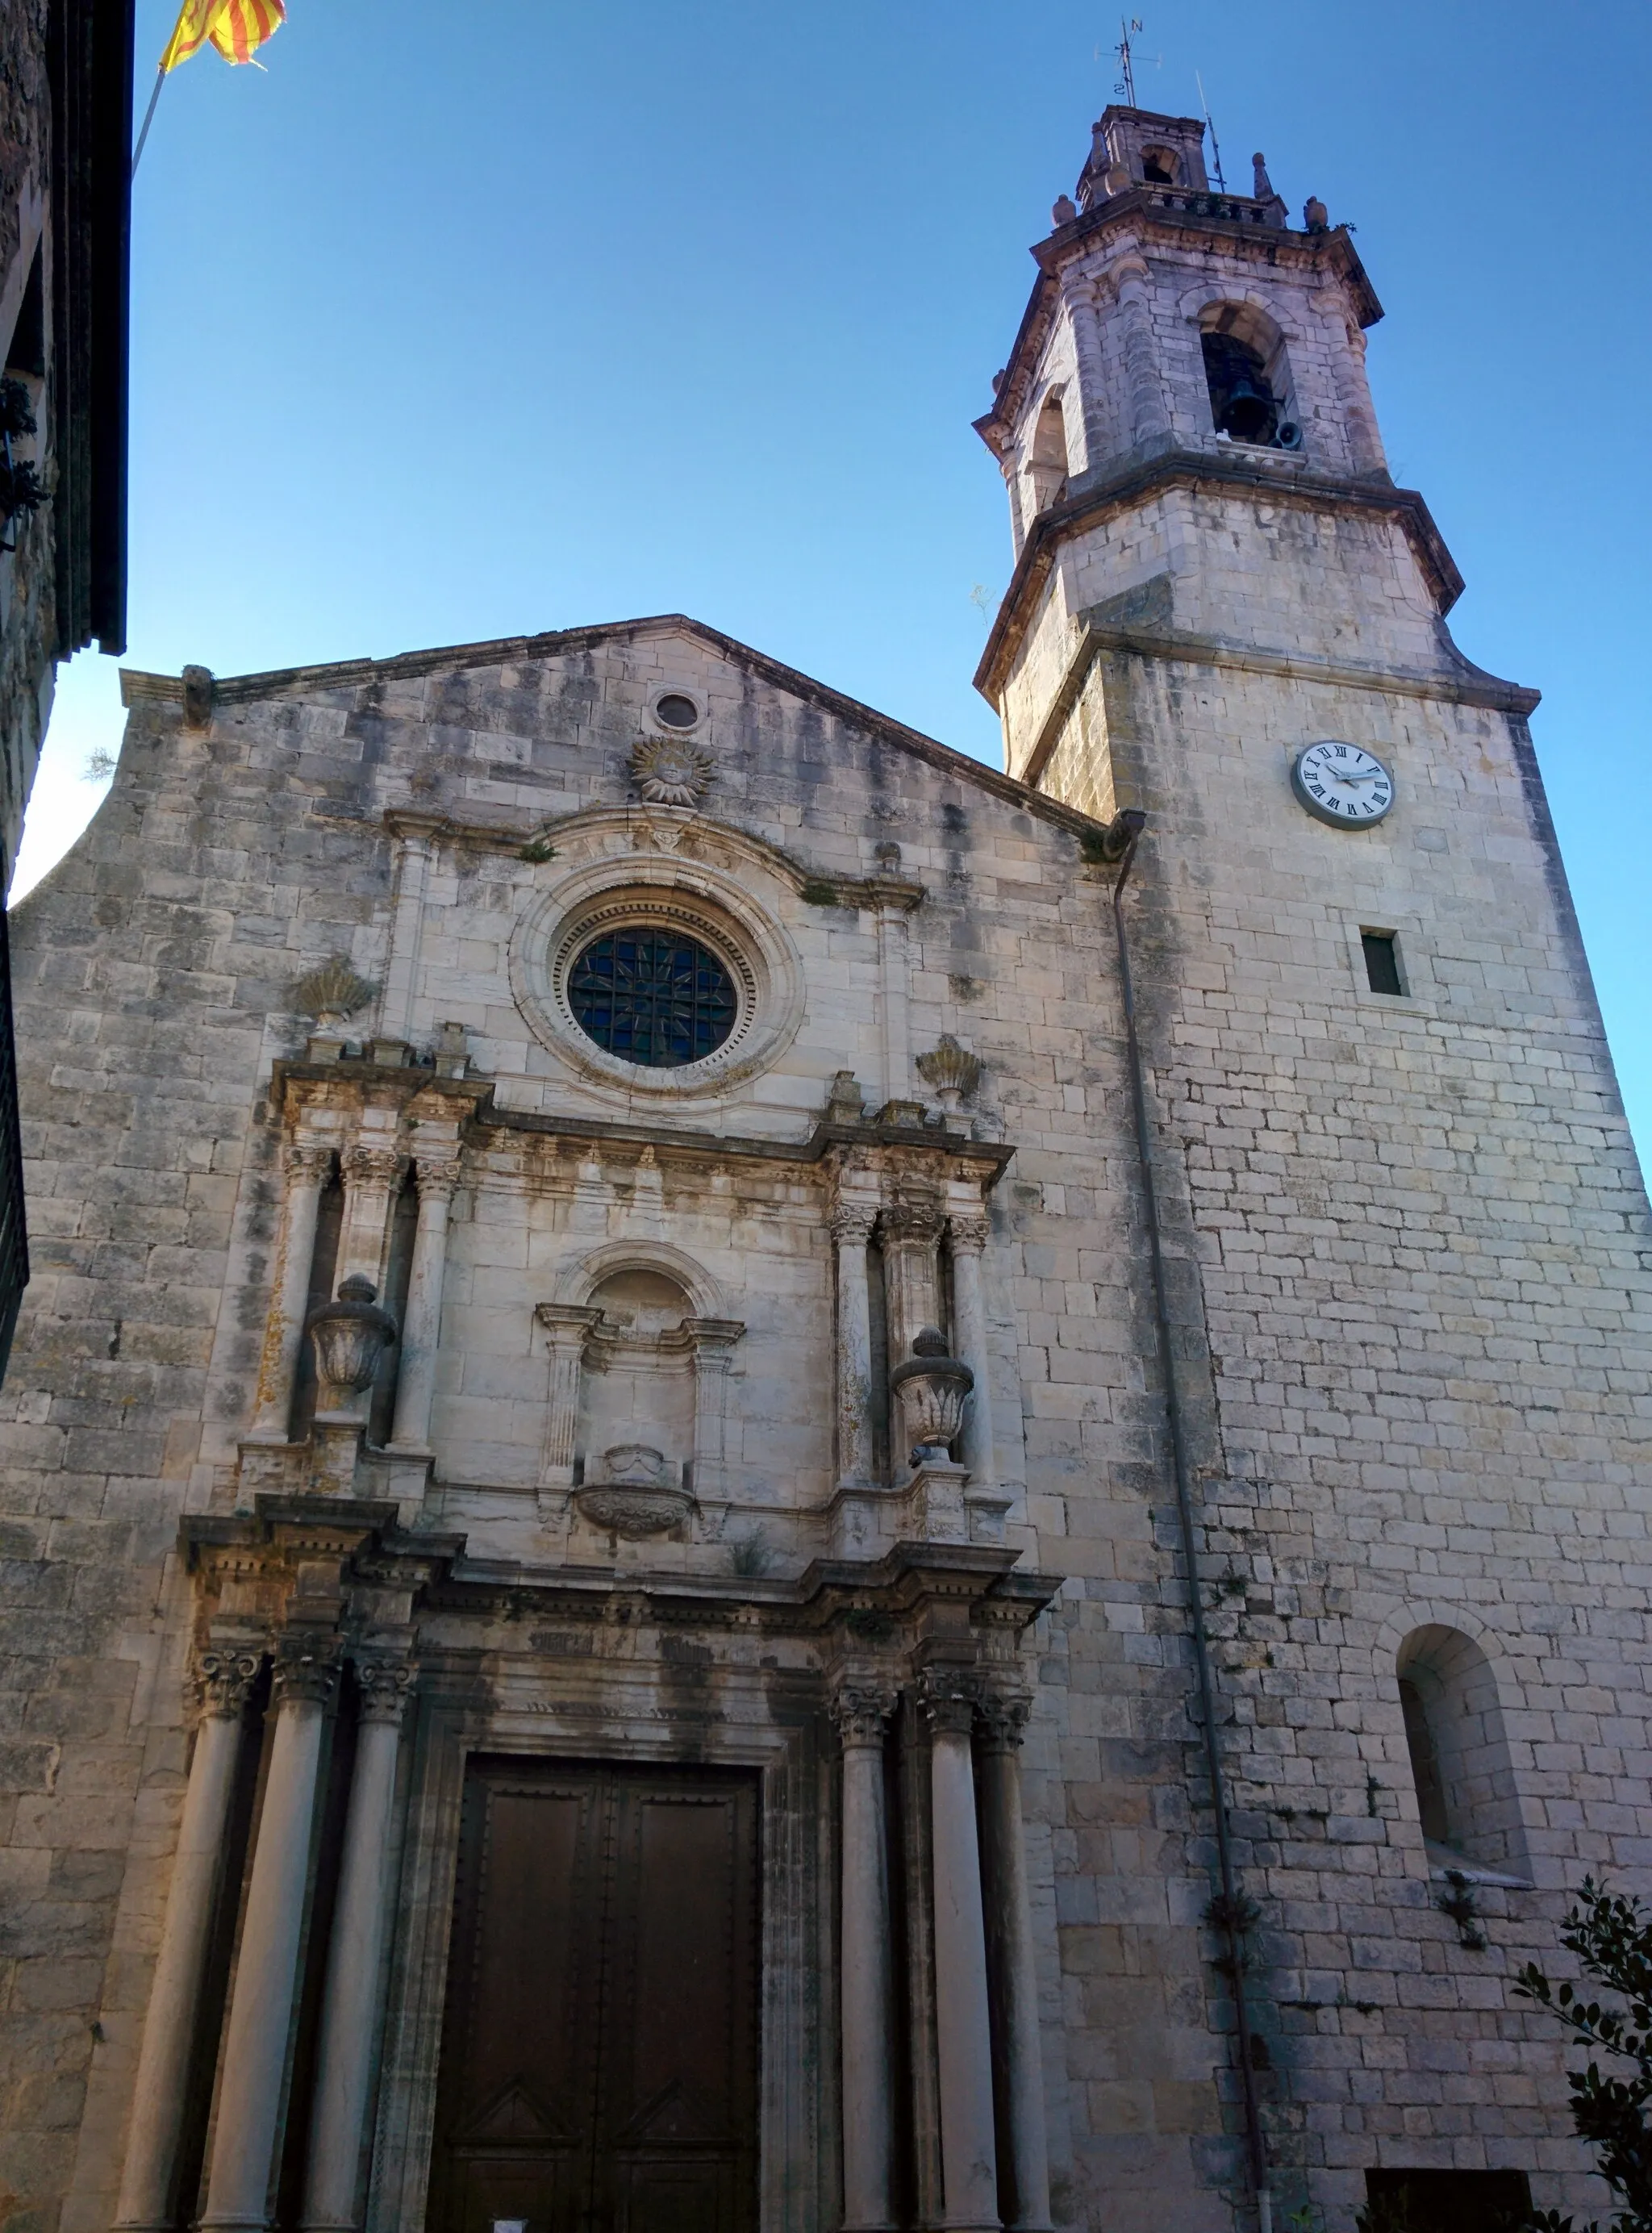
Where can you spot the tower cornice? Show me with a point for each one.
(1160, 216)
(1282, 482)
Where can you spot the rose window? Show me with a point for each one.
(652, 996)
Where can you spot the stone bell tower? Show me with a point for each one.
(1187, 439)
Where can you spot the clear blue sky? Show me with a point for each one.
(463, 321)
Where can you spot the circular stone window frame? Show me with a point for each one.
(693, 900)
(657, 697)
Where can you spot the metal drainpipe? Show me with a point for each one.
(1125, 830)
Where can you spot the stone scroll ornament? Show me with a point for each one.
(670, 771)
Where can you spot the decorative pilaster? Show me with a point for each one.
(416, 846)
(852, 1225)
(1009, 1957)
(713, 1340)
(307, 1164)
(353, 2008)
(963, 2024)
(255, 2052)
(437, 1182)
(371, 1176)
(147, 2200)
(910, 1231)
(566, 1328)
(967, 1232)
(862, 1713)
(894, 900)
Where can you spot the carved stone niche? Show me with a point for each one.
(638, 1423)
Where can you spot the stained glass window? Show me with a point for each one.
(652, 996)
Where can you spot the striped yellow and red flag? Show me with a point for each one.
(236, 28)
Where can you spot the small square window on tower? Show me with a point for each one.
(1381, 951)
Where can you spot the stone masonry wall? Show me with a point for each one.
(154, 971)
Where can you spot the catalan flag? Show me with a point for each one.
(236, 28)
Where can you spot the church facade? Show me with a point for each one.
(756, 1479)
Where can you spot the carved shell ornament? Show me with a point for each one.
(670, 771)
(332, 993)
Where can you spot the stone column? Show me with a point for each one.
(1009, 1936)
(1145, 412)
(353, 2008)
(251, 2081)
(968, 1237)
(146, 2200)
(422, 1321)
(852, 1225)
(1364, 436)
(308, 1163)
(910, 1231)
(370, 1175)
(566, 1327)
(963, 2023)
(862, 1716)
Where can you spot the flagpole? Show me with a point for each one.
(148, 118)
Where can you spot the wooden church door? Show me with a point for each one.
(600, 2045)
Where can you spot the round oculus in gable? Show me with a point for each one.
(1343, 784)
(649, 994)
(677, 710)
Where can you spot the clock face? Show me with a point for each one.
(1344, 784)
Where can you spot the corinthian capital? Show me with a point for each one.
(437, 1182)
(915, 1223)
(967, 1234)
(365, 1165)
(309, 1159)
(225, 1680)
(949, 1697)
(385, 1686)
(303, 1677)
(1004, 1718)
(852, 1225)
(861, 1712)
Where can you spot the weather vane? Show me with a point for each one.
(1126, 68)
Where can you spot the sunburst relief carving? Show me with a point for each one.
(670, 771)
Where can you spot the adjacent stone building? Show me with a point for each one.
(65, 196)
(739, 1452)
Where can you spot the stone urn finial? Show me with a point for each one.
(351, 1335)
(932, 1387)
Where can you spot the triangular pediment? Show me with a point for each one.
(570, 644)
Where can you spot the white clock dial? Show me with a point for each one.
(1344, 784)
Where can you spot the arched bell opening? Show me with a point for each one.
(1048, 466)
(1248, 376)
